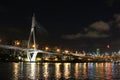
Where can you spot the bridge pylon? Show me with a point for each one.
(32, 53)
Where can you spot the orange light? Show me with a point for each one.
(39, 59)
(33, 45)
(17, 42)
(46, 48)
(66, 51)
(58, 50)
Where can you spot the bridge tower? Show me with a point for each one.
(32, 53)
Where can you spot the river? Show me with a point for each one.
(59, 71)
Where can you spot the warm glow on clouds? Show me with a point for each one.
(96, 30)
(100, 26)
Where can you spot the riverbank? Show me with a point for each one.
(67, 61)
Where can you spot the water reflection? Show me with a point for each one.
(60, 71)
(30, 71)
(57, 71)
(33, 71)
(46, 71)
(15, 71)
(77, 70)
(67, 70)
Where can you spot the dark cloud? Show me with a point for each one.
(72, 36)
(116, 21)
(100, 26)
(95, 30)
(90, 34)
(98, 29)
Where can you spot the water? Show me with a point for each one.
(59, 71)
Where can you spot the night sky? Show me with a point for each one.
(73, 24)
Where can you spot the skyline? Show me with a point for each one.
(66, 23)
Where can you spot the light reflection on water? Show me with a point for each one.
(67, 69)
(15, 71)
(45, 71)
(59, 71)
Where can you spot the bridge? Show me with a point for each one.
(32, 52)
(46, 55)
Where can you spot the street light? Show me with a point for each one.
(17, 43)
(58, 50)
(33, 46)
(46, 48)
(66, 51)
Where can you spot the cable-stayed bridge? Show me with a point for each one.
(34, 51)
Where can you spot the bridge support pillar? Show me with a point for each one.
(32, 55)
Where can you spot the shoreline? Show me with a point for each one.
(61, 61)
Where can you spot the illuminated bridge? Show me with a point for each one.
(37, 51)
(32, 52)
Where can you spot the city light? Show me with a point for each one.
(33, 45)
(17, 43)
(46, 48)
(58, 50)
(66, 51)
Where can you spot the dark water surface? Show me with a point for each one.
(59, 71)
